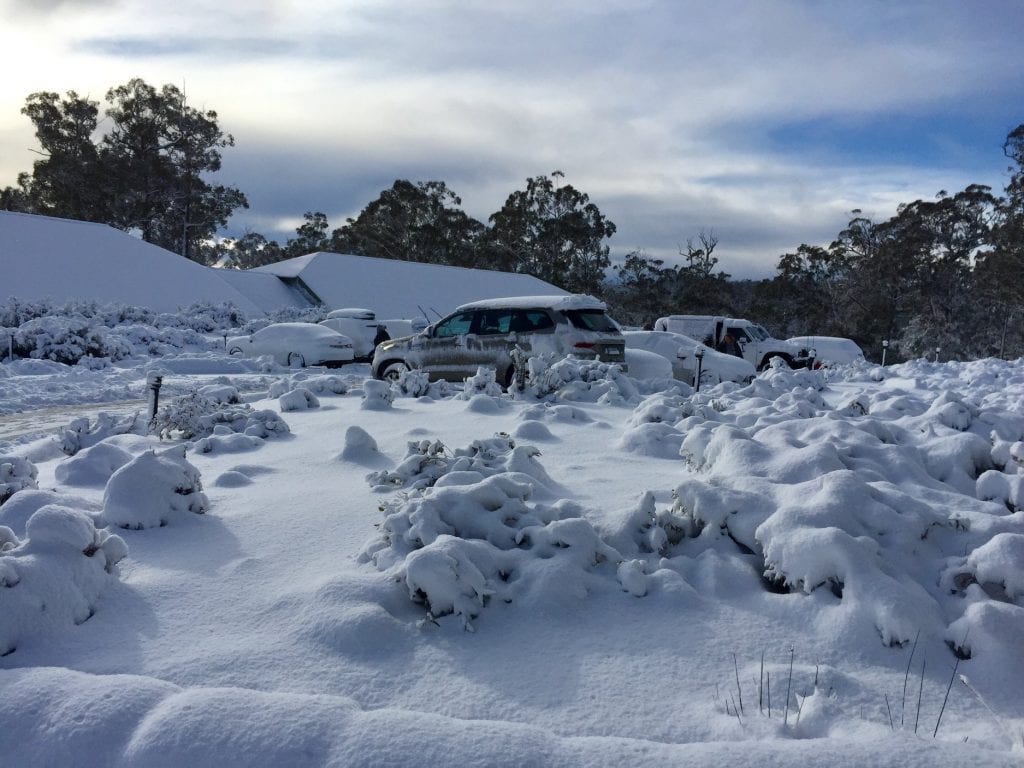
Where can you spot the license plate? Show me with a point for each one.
(613, 351)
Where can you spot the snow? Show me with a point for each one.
(578, 572)
(97, 262)
(558, 302)
(401, 289)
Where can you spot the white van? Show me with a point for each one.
(749, 340)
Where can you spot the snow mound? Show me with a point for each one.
(16, 512)
(224, 440)
(50, 582)
(152, 490)
(322, 385)
(92, 466)
(16, 473)
(299, 399)
(54, 716)
(361, 448)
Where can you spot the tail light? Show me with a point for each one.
(584, 345)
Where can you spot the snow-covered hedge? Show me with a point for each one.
(73, 331)
(569, 378)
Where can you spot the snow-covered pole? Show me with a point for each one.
(885, 348)
(10, 348)
(699, 354)
(153, 381)
(937, 350)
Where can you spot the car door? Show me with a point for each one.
(442, 352)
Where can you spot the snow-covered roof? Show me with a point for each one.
(42, 257)
(567, 301)
(394, 288)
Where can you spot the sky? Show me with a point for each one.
(766, 122)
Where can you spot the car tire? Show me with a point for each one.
(392, 371)
(296, 360)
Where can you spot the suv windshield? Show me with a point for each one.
(591, 320)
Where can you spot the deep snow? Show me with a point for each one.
(298, 589)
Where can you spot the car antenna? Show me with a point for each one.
(439, 315)
(423, 312)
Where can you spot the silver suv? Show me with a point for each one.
(484, 333)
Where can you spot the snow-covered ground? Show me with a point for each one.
(595, 571)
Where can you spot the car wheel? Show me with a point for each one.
(296, 360)
(235, 351)
(393, 371)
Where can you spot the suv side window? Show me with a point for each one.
(494, 321)
(591, 320)
(531, 321)
(456, 325)
(739, 334)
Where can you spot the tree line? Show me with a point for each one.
(942, 274)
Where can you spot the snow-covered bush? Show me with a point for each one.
(377, 395)
(152, 490)
(569, 378)
(299, 399)
(483, 382)
(51, 581)
(67, 340)
(83, 433)
(460, 544)
(15, 473)
(414, 383)
(195, 415)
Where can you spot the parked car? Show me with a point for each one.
(484, 333)
(295, 344)
(735, 336)
(830, 350)
(679, 351)
(361, 326)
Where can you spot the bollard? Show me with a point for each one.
(885, 348)
(153, 382)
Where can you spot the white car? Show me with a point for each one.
(361, 326)
(830, 350)
(296, 345)
(680, 351)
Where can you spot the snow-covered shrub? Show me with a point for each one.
(377, 395)
(82, 433)
(483, 382)
(569, 378)
(67, 340)
(413, 383)
(51, 581)
(195, 415)
(299, 399)
(16, 473)
(361, 448)
(152, 490)
(427, 462)
(1005, 489)
(224, 440)
(457, 546)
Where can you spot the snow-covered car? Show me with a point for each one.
(361, 326)
(295, 344)
(830, 350)
(679, 350)
(484, 333)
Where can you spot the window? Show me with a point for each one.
(591, 320)
(494, 321)
(531, 320)
(456, 325)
